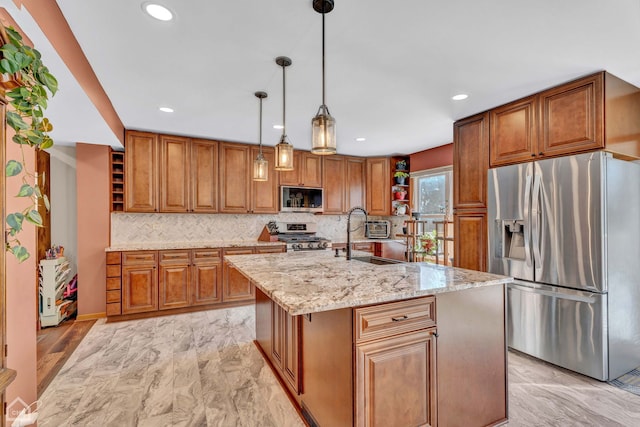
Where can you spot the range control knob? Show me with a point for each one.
(310, 245)
(296, 246)
(324, 245)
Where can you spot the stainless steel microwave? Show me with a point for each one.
(300, 199)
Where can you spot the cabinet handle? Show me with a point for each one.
(541, 154)
(533, 154)
(400, 318)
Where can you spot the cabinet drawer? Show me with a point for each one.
(171, 257)
(363, 246)
(114, 283)
(270, 249)
(139, 258)
(394, 318)
(113, 296)
(207, 255)
(113, 271)
(114, 309)
(113, 257)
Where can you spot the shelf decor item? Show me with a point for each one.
(400, 177)
(399, 194)
(284, 150)
(401, 165)
(28, 97)
(323, 125)
(260, 164)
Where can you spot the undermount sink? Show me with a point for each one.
(376, 260)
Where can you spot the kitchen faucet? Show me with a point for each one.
(349, 230)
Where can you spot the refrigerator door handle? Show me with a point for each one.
(535, 221)
(527, 231)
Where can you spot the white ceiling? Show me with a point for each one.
(392, 66)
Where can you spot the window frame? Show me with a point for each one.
(415, 196)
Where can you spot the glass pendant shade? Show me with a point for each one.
(260, 164)
(284, 155)
(323, 132)
(260, 168)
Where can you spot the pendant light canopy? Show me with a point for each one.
(284, 150)
(260, 164)
(323, 126)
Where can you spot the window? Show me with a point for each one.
(433, 193)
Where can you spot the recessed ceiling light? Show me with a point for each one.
(361, 139)
(278, 127)
(460, 97)
(157, 11)
(166, 109)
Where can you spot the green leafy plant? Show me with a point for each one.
(401, 174)
(401, 164)
(26, 117)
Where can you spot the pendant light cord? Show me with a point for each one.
(260, 127)
(323, 85)
(284, 103)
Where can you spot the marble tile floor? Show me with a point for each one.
(202, 369)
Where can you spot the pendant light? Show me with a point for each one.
(323, 126)
(260, 164)
(284, 150)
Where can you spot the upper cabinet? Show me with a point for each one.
(174, 173)
(204, 176)
(355, 188)
(470, 162)
(335, 184)
(238, 192)
(378, 186)
(141, 160)
(596, 112)
(307, 170)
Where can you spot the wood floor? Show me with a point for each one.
(55, 345)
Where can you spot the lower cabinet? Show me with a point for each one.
(393, 376)
(148, 281)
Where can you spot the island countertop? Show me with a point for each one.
(316, 281)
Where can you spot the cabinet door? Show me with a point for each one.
(572, 117)
(395, 381)
(264, 194)
(234, 178)
(470, 162)
(354, 183)
(174, 173)
(291, 362)
(204, 176)
(206, 281)
(236, 286)
(470, 244)
(378, 186)
(293, 177)
(311, 169)
(277, 335)
(514, 136)
(141, 165)
(335, 180)
(174, 279)
(139, 289)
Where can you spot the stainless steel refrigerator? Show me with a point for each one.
(568, 230)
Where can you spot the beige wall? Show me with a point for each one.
(21, 293)
(92, 169)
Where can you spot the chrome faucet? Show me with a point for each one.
(349, 230)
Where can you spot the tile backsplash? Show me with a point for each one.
(130, 228)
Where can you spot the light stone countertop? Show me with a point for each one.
(315, 281)
(190, 245)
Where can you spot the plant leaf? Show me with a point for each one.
(46, 202)
(15, 121)
(34, 217)
(20, 252)
(13, 168)
(47, 142)
(14, 221)
(25, 191)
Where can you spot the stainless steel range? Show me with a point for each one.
(301, 236)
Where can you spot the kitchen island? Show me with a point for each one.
(404, 344)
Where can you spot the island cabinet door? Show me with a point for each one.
(236, 286)
(395, 381)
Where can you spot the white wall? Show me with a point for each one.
(63, 202)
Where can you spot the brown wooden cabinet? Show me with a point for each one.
(335, 184)
(204, 176)
(394, 373)
(174, 279)
(378, 186)
(307, 170)
(141, 166)
(206, 276)
(236, 287)
(117, 180)
(514, 132)
(114, 283)
(470, 229)
(470, 162)
(264, 194)
(174, 173)
(235, 178)
(139, 282)
(355, 183)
